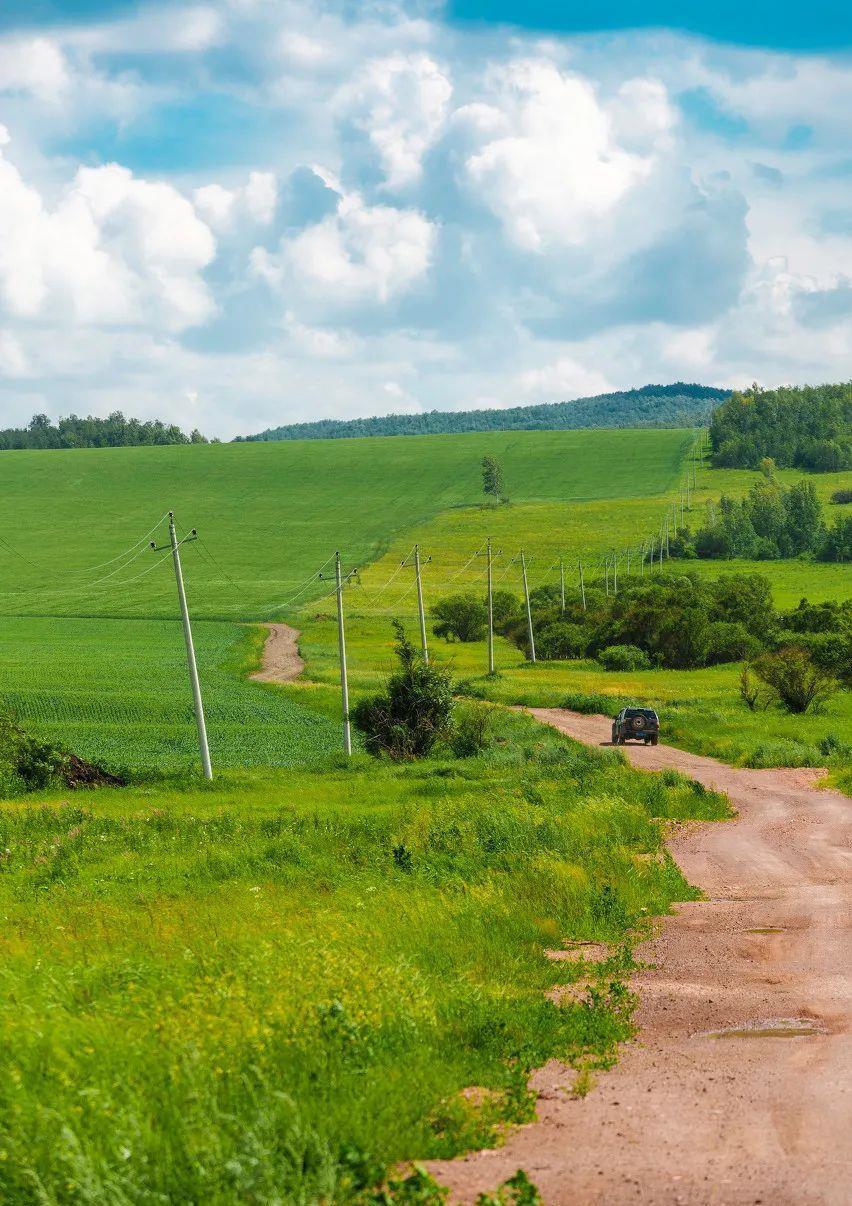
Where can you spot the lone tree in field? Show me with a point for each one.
(492, 478)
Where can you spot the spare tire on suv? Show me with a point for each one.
(636, 724)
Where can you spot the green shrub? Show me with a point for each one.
(27, 764)
(561, 640)
(730, 642)
(505, 607)
(460, 618)
(795, 679)
(624, 657)
(413, 713)
(471, 733)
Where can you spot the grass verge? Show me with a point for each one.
(275, 987)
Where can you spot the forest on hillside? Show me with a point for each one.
(798, 427)
(113, 432)
(678, 405)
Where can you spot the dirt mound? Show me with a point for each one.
(76, 772)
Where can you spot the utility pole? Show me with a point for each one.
(529, 612)
(340, 580)
(582, 584)
(490, 607)
(197, 703)
(420, 609)
(562, 584)
(615, 573)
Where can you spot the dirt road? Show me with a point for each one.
(689, 1115)
(281, 661)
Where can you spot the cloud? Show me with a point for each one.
(555, 167)
(500, 218)
(400, 102)
(13, 362)
(563, 379)
(33, 65)
(359, 253)
(254, 201)
(114, 249)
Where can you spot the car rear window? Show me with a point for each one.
(649, 712)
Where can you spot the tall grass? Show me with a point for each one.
(274, 988)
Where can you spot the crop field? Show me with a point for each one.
(116, 692)
(270, 515)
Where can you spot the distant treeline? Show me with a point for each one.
(805, 427)
(113, 432)
(677, 405)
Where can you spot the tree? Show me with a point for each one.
(492, 478)
(414, 712)
(792, 676)
(837, 544)
(460, 618)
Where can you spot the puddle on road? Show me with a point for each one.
(768, 1028)
(767, 929)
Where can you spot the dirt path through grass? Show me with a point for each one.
(281, 661)
(692, 1114)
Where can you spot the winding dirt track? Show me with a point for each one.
(281, 661)
(686, 1117)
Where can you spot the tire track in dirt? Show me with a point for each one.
(687, 1117)
(281, 661)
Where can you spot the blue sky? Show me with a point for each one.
(820, 25)
(234, 213)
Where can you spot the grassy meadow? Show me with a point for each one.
(270, 515)
(91, 651)
(204, 999)
(276, 986)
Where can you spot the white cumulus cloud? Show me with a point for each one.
(114, 249)
(401, 103)
(369, 252)
(556, 167)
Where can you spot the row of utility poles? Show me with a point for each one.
(659, 547)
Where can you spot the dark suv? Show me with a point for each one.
(636, 724)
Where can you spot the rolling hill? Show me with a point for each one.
(678, 405)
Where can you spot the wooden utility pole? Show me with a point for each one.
(562, 584)
(529, 612)
(197, 703)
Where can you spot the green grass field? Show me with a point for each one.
(270, 515)
(94, 657)
(203, 999)
(116, 692)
